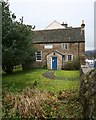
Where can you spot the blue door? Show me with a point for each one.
(54, 63)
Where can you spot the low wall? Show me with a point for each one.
(87, 92)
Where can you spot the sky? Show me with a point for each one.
(43, 12)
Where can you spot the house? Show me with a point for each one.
(91, 63)
(57, 44)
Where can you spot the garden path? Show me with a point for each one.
(49, 74)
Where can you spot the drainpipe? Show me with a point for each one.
(62, 61)
(78, 49)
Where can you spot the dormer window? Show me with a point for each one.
(64, 46)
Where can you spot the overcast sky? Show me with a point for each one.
(43, 12)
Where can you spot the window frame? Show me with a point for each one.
(64, 46)
(36, 53)
(71, 57)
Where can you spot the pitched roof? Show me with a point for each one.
(59, 35)
(54, 25)
(59, 52)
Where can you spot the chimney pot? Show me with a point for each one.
(83, 24)
(64, 24)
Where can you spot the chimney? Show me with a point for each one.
(82, 27)
(65, 24)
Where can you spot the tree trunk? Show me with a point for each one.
(8, 68)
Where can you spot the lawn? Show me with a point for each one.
(19, 80)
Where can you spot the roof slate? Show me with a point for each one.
(59, 35)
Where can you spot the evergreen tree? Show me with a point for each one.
(17, 47)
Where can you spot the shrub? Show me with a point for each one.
(72, 65)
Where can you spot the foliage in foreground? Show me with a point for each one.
(33, 103)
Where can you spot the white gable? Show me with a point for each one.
(54, 25)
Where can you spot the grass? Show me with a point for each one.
(48, 98)
(19, 80)
(73, 74)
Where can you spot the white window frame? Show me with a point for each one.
(40, 55)
(65, 46)
(71, 57)
(48, 46)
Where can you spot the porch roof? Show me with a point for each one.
(56, 51)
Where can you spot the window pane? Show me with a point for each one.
(38, 53)
(69, 57)
(64, 45)
(38, 56)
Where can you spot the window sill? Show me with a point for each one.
(38, 60)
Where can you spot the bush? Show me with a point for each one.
(72, 65)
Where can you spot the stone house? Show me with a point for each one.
(57, 44)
